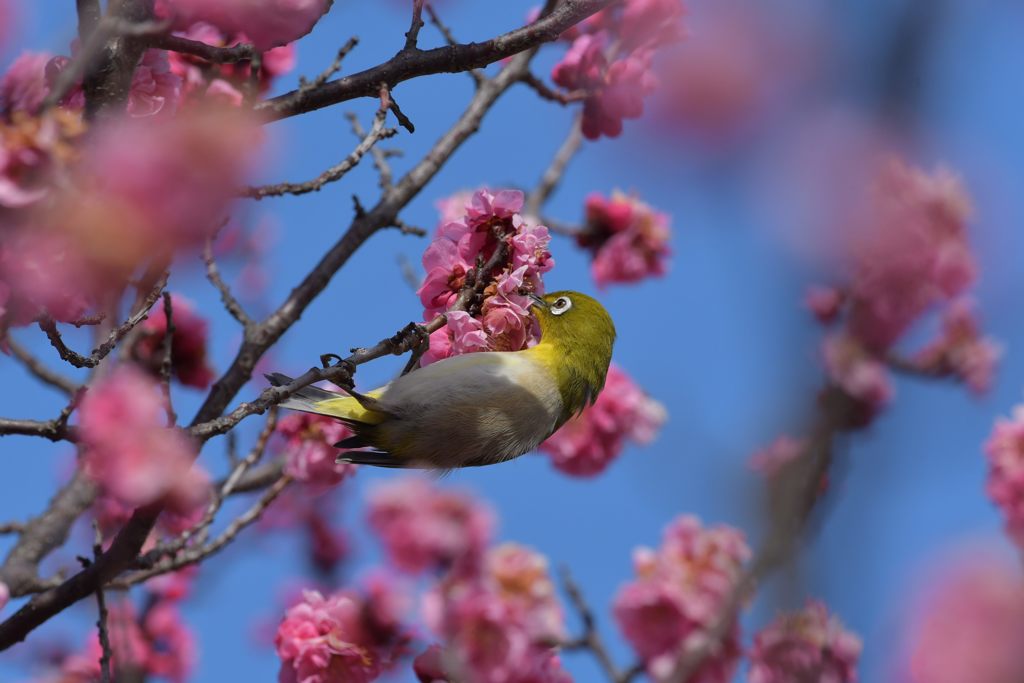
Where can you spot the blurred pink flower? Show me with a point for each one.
(910, 254)
(328, 546)
(808, 646)
(504, 322)
(629, 239)
(589, 442)
(129, 452)
(188, 343)
(5, 595)
(309, 448)
(424, 527)
(43, 275)
(336, 638)
(33, 151)
(23, 87)
(268, 23)
(678, 594)
(961, 349)
(1005, 484)
(825, 303)
(172, 647)
(971, 625)
(155, 89)
(521, 577)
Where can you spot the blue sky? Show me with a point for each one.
(721, 341)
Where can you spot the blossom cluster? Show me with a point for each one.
(589, 442)
(610, 60)
(348, 635)
(628, 239)
(807, 645)
(1005, 485)
(910, 256)
(678, 593)
(503, 322)
(309, 448)
(128, 449)
(188, 343)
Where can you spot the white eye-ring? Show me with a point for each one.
(561, 305)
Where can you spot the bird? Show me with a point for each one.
(478, 408)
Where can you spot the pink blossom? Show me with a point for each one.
(629, 239)
(424, 527)
(130, 453)
(809, 645)
(188, 343)
(911, 254)
(1005, 485)
(961, 349)
(23, 86)
(649, 23)
(678, 593)
(503, 322)
(5, 595)
(335, 638)
(825, 303)
(971, 625)
(521, 577)
(589, 442)
(44, 275)
(328, 546)
(309, 448)
(172, 653)
(857, 372)
(33, 151)
(268, 23)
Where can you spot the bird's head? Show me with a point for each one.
(581, 335)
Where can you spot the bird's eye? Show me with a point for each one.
(561, 305)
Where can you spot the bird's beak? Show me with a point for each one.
(537, 301)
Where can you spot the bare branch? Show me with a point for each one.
(451, 59)
(414, 29)
(166, 362)
(53, 430)
(380, 160)
(106, 654)
(232, 304)
(551, 94)
(475, 74)
(39, 369)
(89, 14)
(334, 67)
(591, 639)
(11, 528)
(242, 52)
(377, 132)
(553, 174)
(403, 120)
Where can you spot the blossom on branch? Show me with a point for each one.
(23, 87)
(188, 343)
(961, 349)
(155, 89)
(586, 444)
(424, 527)
(347, 636)
(679, 593)
(130, 452)
(628, 239)
(267, 23)
(1005, 485)
(810, 646)
(309, 448)
(501, 321)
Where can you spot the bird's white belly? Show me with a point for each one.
(478, 408)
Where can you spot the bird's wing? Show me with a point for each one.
(319, 401)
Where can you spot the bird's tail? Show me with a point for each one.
(310, 399)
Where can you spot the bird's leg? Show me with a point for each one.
(327, 358)
(421, 347)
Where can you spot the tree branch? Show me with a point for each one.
(591, 639)
(475, 74)
(450, 59)
(232, 304)
(39, 369)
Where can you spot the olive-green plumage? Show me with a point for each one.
(479, 408)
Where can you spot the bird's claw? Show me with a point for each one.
(326, 358)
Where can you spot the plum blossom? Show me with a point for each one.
(678, 594)
(130, 452)
(43, 275)
(617, 79)
(1005, 484)
(586, 444)
(155, 89)
(503, 322)
(424, 527)
(346, 636)
(32, 152)
(809, 645)
(267, 23)
(961, 349)
(23, 87)
(498, 625)
(825, 303)
(309, 448)
(188, 343)
(628, 239)
(970, 625)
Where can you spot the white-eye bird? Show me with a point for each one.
(478, 408)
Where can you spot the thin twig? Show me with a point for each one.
(591, 639)
(413, 33)
(556, 169)
(166, 363)
(106, 654)
(242, 52)
(476, 74)
(232, 304)
(334, 67)
(380, 161)
(403, 120)
(11, 528)
(377, 132)
(551, 94)
(39, 369)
